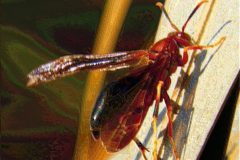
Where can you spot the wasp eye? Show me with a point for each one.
(96, 134)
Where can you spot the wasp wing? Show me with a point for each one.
(68, 65)
(121, 109)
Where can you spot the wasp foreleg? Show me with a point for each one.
(195, 47)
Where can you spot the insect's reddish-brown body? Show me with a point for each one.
(123, 104)
(117, 124)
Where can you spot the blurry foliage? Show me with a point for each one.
(41, 122)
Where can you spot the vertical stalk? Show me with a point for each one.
(110, 26)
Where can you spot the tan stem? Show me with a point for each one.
(110, 26)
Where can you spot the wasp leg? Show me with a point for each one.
(141, 147)
(154, 121)
(170, 125)
(196, 47)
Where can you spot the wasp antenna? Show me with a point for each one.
(160, 5)
(190, 16)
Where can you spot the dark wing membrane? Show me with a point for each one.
(68, 65)
(120, 110)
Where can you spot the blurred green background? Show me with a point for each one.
(41, 123)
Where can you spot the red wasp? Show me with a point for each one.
(123, 104)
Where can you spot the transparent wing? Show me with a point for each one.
(68, 65)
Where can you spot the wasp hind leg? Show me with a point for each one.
(141, 147)
(155, 117)
(170, 125)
